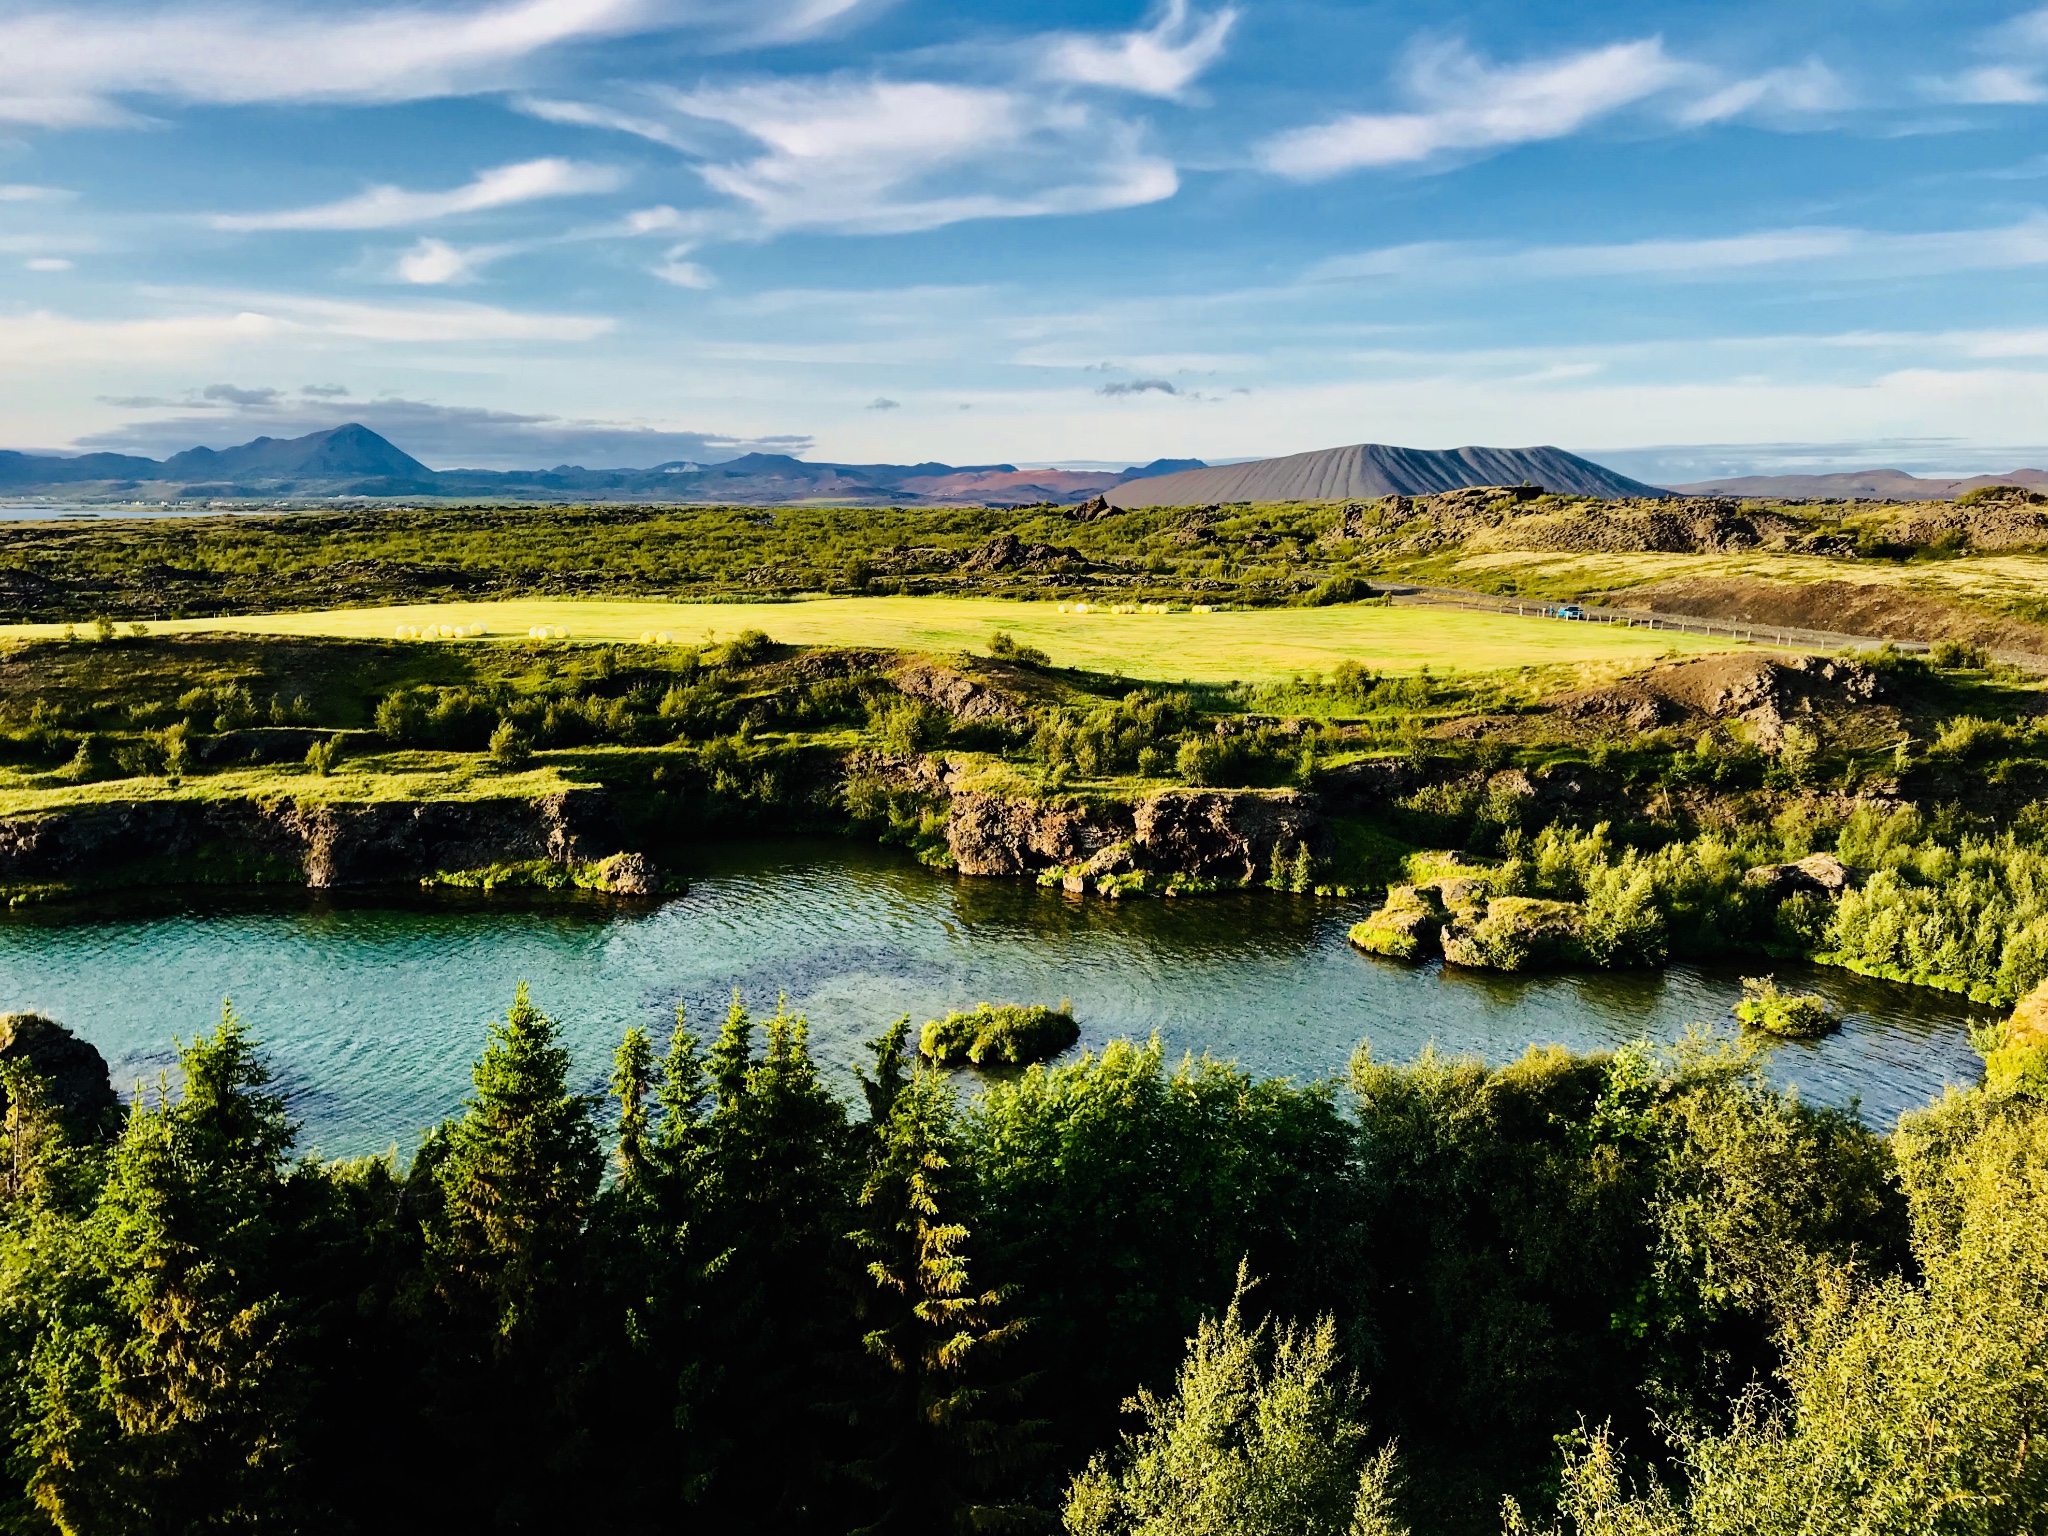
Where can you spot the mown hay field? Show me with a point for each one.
(1252, 645)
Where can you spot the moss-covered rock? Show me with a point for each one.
(1517, 933)
(622, 874)
(998, 1034)
(2018, 1061)
(1406, 928)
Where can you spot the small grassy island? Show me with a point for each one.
(998, 1034)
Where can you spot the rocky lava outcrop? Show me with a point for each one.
(324, 845)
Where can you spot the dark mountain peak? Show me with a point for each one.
(1163, 467)
(348, 450)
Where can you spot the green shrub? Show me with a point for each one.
(1791, 1015)
(509, 747)
(1249, 760)
(323, 755)
(1006, 647)
(999, 1034)
(1341, 588)
(1109, 738)
(747, 648)
(907, 726)
(1958, 655)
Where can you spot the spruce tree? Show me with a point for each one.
(777, 1176)
(651, 1250)
(940, 1437)
(173, 1401)
(521, 1167)
(506, 1258)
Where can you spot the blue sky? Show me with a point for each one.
(1686, 237)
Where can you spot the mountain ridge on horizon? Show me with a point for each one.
(354, 461)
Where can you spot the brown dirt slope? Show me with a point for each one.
(1841, 607)
(1765, 691)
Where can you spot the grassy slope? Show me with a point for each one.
(1989, 579)
(381, 777)
(1257, 646)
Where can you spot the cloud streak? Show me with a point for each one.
(210, 324)
(1467, 105)
(1845, 254)
(74, 66)
(394, 207)
(875, 156)
(1163, 59)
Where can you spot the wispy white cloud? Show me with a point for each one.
(206, 324)
(646, 125)
(19, 193)
(1466, 105)
(430, 262)
(47, 264)
(870, 156)
(392, 207)
(1801, 90)
(2017, 74)
(74, 65)
(682, 273)
(1990, 86)
(1843, 254)
(1163, 59)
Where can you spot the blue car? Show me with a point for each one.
(1571, 611)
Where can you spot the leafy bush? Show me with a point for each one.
(1261, 1437)
(321, 756)
(998, 1034)
(510, 747)
(1958, 655)
(747, 648)
(1792, 1015)
(1109, 738)
(453, 719)
(906, 726)
(1341, 588)
(1004, 646)
(1248, 760)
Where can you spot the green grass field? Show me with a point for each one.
(1256, 645)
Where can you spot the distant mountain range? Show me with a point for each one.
(1866, 484)
(350, 461)
(1367, 470)
(353, 461)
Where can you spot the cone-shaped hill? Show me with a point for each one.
(1374, 469)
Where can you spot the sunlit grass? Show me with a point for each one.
(369, 779)
(1254, 646)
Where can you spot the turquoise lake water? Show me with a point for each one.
(373, 1008)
